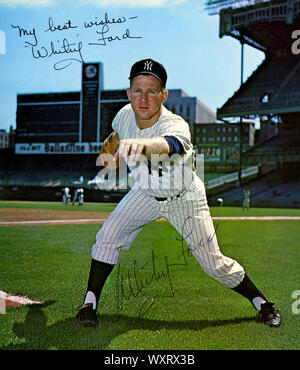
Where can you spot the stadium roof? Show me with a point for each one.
(267, 26)
(214, 6)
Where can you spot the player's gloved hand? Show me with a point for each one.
(108, 151)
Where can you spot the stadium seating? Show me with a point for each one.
(274, 85)
(277, 189)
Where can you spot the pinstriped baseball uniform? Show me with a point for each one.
(188, 212)
(171, 182)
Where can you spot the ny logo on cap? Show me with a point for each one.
(148, 65)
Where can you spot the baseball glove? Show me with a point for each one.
(108, 150)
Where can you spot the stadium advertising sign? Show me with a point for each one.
(57, 148)
(211, 154)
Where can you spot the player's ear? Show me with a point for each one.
(165, 95)
(129, 94)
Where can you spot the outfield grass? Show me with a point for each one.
(184, 309)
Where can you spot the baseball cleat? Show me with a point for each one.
(87, 316)
(270, 315)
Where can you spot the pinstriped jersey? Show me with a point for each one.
(159, 177)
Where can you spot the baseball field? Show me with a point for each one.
(158, 297)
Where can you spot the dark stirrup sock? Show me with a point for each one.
(99, 273)
(247, 289)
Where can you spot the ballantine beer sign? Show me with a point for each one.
(57, 148)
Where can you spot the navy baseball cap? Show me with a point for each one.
(149, 67)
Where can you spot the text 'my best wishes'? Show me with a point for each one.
(64, 40)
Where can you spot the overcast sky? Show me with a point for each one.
(36, 38)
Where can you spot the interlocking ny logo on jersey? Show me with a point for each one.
(148, 65)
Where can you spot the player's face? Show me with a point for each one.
(146, 96)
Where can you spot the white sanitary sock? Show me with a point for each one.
(90, 298)
(257, 301)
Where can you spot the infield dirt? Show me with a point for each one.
(21, 214)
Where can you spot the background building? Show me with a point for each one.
(190, 108)
(4, 139)
(219, 143)
(79, 122)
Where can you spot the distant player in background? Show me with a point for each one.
(66, 197)
(246, 201)
(75, 196)
(80, 197)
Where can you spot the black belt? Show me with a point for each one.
(176, 196)
(163, 199)
(171, 198)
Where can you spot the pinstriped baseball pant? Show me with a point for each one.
(189, 215)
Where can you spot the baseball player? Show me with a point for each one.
(166, 185)
(246, 201)
(75, 196)
(66, 196)
(80, 197)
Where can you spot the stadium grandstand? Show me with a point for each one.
(270, 95)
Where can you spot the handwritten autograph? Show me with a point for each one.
(105, 29)
(73, 50)
(130, 284)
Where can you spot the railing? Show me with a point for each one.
(232, 177)
(214, 6)
(269, 11)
